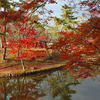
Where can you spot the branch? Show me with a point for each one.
(37, 7)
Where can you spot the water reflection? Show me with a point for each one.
(59, 85)
(20, 89)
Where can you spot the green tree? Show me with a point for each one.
(67, 22)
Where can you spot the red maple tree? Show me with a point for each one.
(82, 50)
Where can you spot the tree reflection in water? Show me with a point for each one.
(59, 85)
(20, 89)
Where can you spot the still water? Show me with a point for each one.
(58, 85)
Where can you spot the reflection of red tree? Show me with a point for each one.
(1, 96)
(1, 93)
(28, 92)
(21, 90)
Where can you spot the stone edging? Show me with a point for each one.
(30, 73)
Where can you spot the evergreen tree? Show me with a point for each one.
(67, 21)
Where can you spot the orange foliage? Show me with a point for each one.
(85, 42)
(81, 50)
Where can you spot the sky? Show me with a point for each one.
(56, 8)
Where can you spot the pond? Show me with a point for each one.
(58, 85)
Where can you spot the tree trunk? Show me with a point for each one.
(22, 62)
(19, 38)
(5, 49)
(1, 45)
(25, 25)
(4, 52)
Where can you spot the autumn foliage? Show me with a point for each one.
(18, 34)
(24, 34)
(82, 49)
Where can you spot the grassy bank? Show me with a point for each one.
(12, 65)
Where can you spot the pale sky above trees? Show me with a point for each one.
(56, 8)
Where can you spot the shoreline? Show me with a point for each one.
(31, 72)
